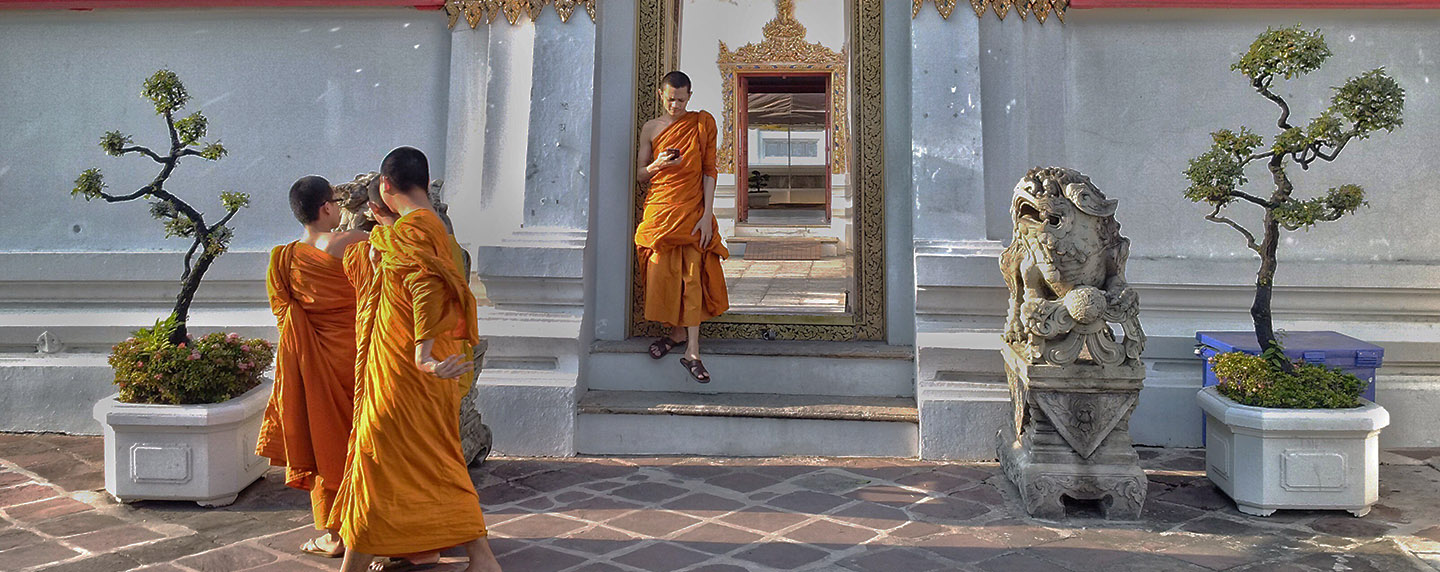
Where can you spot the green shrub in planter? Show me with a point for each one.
(1253, 380)
(211, 369)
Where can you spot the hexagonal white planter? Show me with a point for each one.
(1268, 459)
(201, 453)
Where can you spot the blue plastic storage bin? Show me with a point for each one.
(1332, 349)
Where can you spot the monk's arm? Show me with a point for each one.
(434, 316)
(643, 161)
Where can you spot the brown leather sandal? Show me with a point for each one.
(697, 369)
(661, 347)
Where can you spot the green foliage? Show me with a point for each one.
(113, 141)
(1287, 52)
(211, 369)
(218, 241)
(213, 151)
(1295, 214)
(1217, 173)
(234, 201)
(180, 226)
(166, 92)
(1370, 102)
(163, 210)
(89, 185)
(191, 129)
(1255, 381)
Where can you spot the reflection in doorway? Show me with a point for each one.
(782, 198)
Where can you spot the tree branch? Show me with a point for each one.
(187, 153)
(1214, 216)
(147, 152)
(174, 135)
(226, 219)
(184, 208)
(1251, 198)
(1256, 157)
(188, 256)
(1284, 121)
(109, 198)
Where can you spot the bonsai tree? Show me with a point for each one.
(163, 364)
(1365, 104)
(208, 241)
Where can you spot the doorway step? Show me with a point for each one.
(767, 398)
(783, 247)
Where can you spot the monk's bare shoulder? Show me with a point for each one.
(651, 128)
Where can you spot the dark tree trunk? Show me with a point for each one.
(1265, 278)
(187, 295)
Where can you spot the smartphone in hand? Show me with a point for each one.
(672, 153)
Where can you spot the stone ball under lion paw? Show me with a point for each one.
(1085, 303)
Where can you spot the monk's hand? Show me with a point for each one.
(452, 366)
(705, 229)
(664, 161)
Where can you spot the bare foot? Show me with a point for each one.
(328, 546)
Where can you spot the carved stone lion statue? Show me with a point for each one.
(475, 436)
(1066, 273)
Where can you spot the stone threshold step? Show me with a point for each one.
(779, 348)
(758, 405)
(778, 239)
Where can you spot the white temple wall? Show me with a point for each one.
(289, 92)
(1129, 96)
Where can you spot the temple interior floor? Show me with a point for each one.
(729, 514)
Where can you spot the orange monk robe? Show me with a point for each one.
(406, 487)
(684, 284)
(307, 422)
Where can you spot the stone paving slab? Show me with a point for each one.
(651, 514)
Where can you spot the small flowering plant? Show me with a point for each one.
(1255, 381)
(211, 369)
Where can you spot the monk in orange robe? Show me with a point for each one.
(307, 422)
(406, 489)
(676, 241)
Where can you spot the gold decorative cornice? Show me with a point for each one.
(1040, 8)
(485, 11)
(783, 48)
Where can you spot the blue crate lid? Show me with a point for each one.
(1330, 348)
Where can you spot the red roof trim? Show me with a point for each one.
(1271, 4)
(122, 4)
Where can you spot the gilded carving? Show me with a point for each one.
(477, 12)
(783, 49)
(867, 322)
(1041, 9)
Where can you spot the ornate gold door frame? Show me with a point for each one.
(784, 49)
(657, 53)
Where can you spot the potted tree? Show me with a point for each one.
(184, 422)
(759, 197)
(1283, 431)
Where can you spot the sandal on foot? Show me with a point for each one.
(697, 369)
(392, 564)
(313, 547)
(661, 347)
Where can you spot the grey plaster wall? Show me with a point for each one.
(289, 92)
(899, 196)
(1129, 96)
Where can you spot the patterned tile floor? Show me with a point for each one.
(787, 286)
(709, 514)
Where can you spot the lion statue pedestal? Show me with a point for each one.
(1073, 385)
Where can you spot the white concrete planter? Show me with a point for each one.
(1268, 459)
(201, 453)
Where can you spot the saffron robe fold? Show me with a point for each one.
(406, 487)
(684, 283)
(307, 422)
